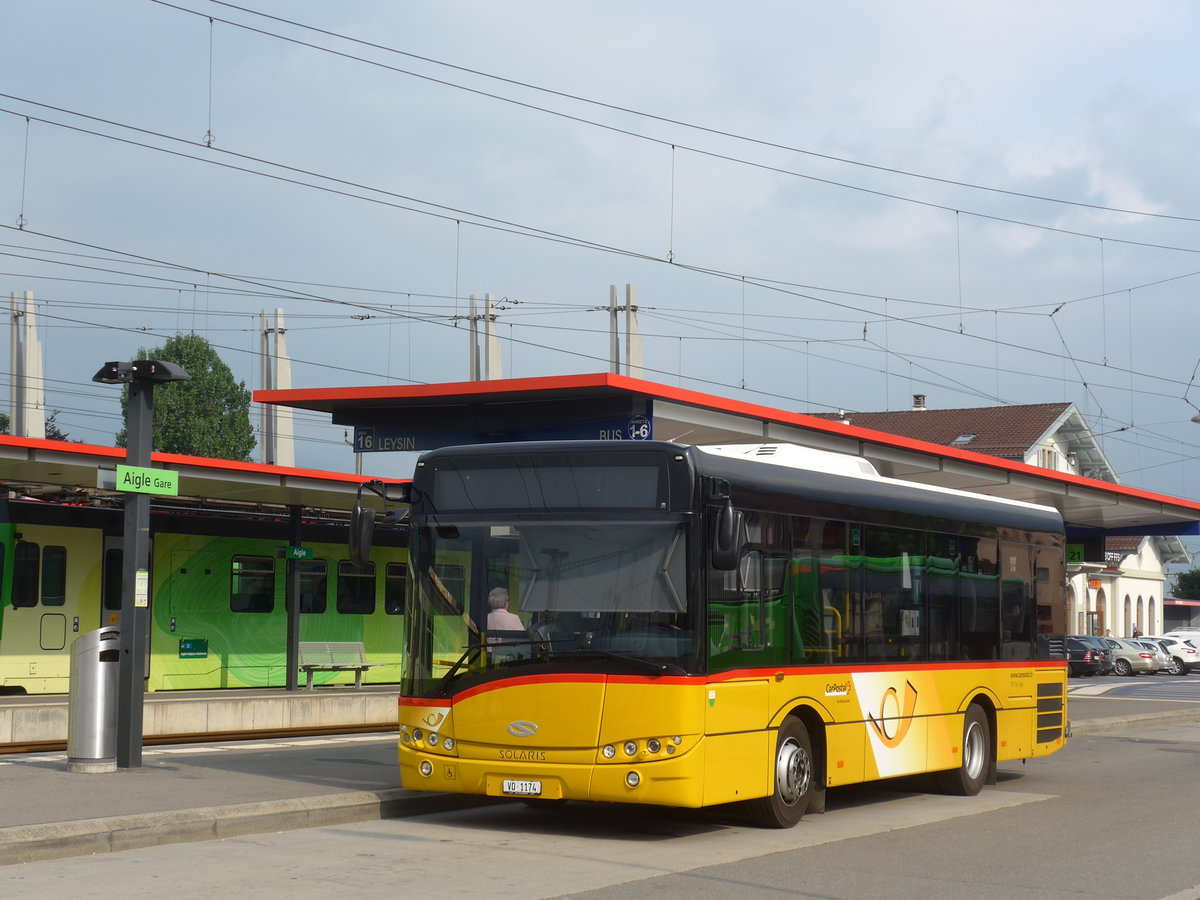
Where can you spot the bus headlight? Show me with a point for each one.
(633, 779)
(418, 734)
(433, 739)
(448, 743)
(630, 748)
(653, 745)
(609, 751)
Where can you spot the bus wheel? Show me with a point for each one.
(968, 778)
(794, 771)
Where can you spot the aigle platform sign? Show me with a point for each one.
(141, 480)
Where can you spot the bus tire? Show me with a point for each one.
(793, 774)
(968, 779)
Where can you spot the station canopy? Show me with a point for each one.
(35, 468)
(608, 406)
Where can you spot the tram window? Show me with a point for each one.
(54, 576)
(113, 578)
(395, 588)
(25, 575)
(252, 589)
(314, 581)
(356, 589)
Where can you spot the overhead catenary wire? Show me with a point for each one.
(626, 110)
(214, 291)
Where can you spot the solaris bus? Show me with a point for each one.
(715, 625)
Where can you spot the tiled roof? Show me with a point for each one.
(1124, 544)
(1004, 431)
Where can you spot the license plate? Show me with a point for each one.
(524, 788)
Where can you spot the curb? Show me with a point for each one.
(1116, 723)
(55, 840)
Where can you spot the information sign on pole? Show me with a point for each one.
(141, 480)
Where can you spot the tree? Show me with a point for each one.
(207, 416)
(53, 432)
(1187, 585)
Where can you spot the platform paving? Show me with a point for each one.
(216, 790)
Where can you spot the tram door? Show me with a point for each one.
(112, 585)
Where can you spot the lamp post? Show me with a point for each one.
(141, 375)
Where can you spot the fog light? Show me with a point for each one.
(426, 767)
(609, 751)
(448, 743)
(630, 748)
(633, 779)
(653, 745)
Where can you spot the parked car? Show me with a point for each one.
(1103, 651)
(1130, 658)
(1162, 657)
(1184, 657)
(1082, 658)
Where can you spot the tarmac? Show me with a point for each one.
(225, 789)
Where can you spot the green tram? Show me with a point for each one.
(218, 594)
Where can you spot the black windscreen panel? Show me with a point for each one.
(586, 481)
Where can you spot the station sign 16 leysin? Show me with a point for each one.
(377, 438)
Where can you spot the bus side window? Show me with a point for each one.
(25, 575)
(252, 585)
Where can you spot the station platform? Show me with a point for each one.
(219, 790)
(29, 721)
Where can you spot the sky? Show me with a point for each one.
(821, 206)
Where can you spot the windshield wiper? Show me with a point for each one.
(440, 688)
(654, 668)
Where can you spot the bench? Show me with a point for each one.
(334, 656)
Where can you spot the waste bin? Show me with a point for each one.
(92, 709)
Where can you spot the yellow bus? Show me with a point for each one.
(716, 625)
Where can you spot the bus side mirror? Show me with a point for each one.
(727, 538)
(362, 533)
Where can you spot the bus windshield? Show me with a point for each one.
(490, 598)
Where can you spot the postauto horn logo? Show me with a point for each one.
(892, 729)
